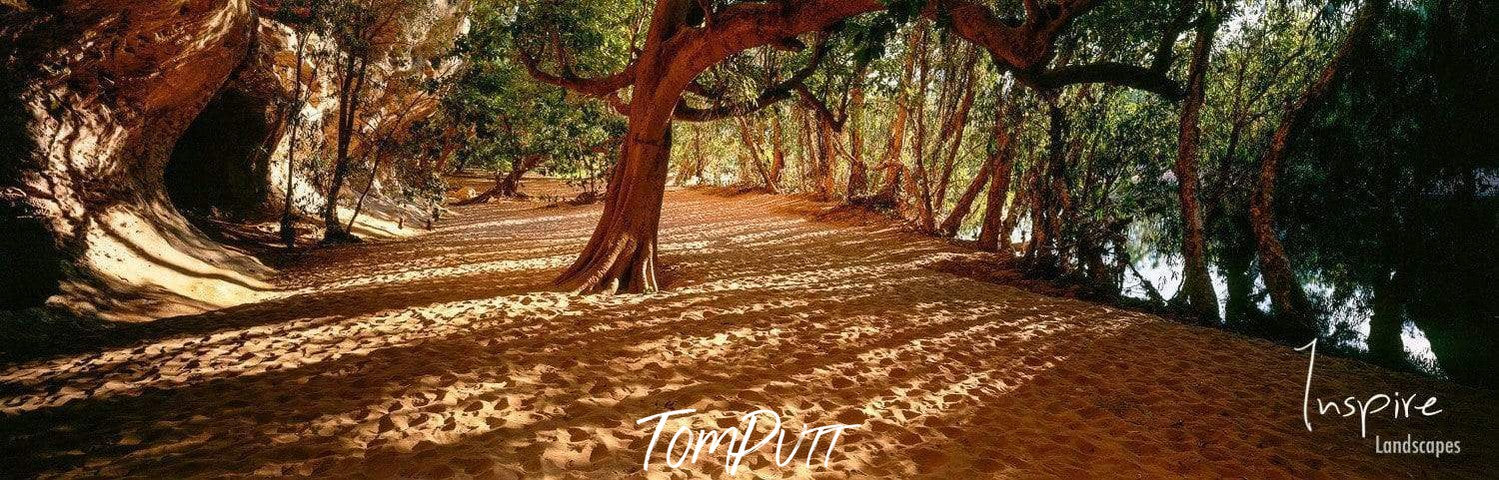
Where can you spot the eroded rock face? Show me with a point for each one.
(97, 93)
(117, 115)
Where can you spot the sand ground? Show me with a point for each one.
(447, 355)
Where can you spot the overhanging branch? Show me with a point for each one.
(1113, 73)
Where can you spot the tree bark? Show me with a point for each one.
(508, 185)
(858, 175)
(960, 211)
(891, 163)
(993, 236)
(621, 253)
(954, 130)
(288, 226)
(1197, 285)
(827, 159)
(1385, 326)
(777, 152)
(1286, 296)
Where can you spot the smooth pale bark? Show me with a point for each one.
(1286, 296)
(1197, 285)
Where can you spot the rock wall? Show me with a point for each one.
(117, 114)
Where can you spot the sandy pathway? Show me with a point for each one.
(446, 355)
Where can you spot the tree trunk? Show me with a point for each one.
(1286, 296)
(508, 185)
(777, 153)
(749, 136)
(1239, 310)
(858, 175)
(965, 203)
(917, 183)
(1197, 285)
(993, 236)
(827, 159)
(954, 130)
(288, 226)
(891, 163)
(1387, 323)
(621, 253)
(352, 86)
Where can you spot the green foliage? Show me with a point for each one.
(510, 115)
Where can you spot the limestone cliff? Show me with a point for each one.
(116, 116)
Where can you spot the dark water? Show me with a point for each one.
(1348, 308)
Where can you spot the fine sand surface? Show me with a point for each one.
(447, 355)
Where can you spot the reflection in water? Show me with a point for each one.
(1347, 319)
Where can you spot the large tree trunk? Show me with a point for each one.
(1197, 285)
(1286, 296)
(621, 254)
(993, 236)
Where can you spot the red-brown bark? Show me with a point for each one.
(621, 254)
(1286, 296)
(1197, 285)
(994, 233)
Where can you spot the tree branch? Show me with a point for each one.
(1113, 73)
(598, 87)
(767, 97)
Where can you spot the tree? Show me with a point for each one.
(1197, 285)
(686, 37)
(1287, 297)
(363, 30)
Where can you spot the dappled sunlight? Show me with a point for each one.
(452, 355)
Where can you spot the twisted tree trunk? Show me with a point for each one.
(621, 254)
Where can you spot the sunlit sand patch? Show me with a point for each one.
(494, 267)
(356, 336)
